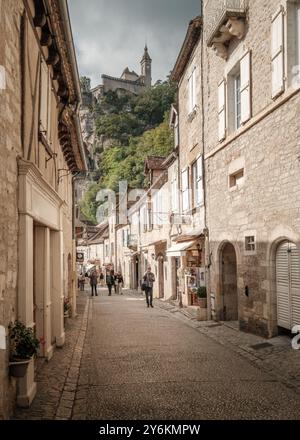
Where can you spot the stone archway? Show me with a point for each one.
(229, 290)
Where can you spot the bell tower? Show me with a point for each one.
(146, 70)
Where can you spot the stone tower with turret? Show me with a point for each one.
(146, 68)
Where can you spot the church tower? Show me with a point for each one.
(146, 68)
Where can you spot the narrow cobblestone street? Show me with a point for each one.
(124, 361)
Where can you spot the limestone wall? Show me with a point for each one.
(266, 203)
(10, 148)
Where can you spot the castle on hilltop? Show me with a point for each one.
(129, 82)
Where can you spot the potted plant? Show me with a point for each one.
(202, 297)
(23, 346)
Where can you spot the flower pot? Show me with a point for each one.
(18, 368)
(202, 302)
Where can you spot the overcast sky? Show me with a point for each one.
(110, 35)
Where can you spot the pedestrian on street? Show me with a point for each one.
(93, 282)
(101, 279)
(119, 282)
(148, 280)
(113, 275)
(110, 281)
(81, 282)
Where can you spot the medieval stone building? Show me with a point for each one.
(41, 153)
(129, 82)
(251, 57)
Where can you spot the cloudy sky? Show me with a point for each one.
(111, 34)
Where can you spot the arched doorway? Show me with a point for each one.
(229, 291)
(288, 285)
(161, 276)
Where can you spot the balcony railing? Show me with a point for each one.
(217, 14)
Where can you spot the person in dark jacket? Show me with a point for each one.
(148, 280)
(119, 282)
(110, 281)
(93, 281)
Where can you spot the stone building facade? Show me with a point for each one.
(41, 150)
(252, 145)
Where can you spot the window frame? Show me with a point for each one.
(237, 101)
(185, 190)
(235, 183)
(197, 182)
(250, 244)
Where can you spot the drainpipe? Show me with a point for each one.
(179, 186)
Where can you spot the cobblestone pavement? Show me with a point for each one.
(57, 380)
(122, 361)
(161, 364)
(275, 356)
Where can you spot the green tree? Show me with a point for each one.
(89, 205)
(140, 128)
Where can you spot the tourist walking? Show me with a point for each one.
(147, 285)
(93, 281)
(110, 281)
(119, 283)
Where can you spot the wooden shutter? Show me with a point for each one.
(295, 284)
(277, 54)
(245, 67)
(222, 110)
(185, 190)
(282, 286)
(44, 95)
(200, 195)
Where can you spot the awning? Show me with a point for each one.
(193, 234)
(179, 250)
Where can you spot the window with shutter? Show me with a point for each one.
(174, 188)
(197, 173)
(245, 88)
(293, 43)
(185, 190)
(222, 110)
(277, 55)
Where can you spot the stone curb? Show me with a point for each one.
(66, 404)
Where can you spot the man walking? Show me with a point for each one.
(148, 281)
(93, 282)
(110, 281)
